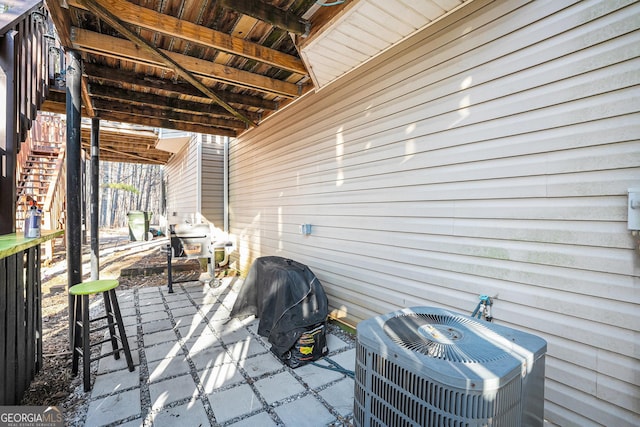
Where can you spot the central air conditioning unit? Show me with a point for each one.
(426, 366)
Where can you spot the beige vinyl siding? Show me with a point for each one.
(490, 153)
(213, 180)
(182, 185)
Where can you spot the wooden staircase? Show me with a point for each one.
(41, 173)
(38, 171)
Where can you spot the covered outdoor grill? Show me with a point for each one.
(193, 241)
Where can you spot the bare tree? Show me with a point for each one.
(126, 187)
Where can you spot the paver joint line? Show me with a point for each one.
(235, 361)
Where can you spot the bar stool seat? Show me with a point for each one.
(81, 326)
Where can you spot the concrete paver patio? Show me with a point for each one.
(196, 366)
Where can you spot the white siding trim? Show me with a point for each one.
(198, 142)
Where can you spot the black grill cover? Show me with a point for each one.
(287, 298)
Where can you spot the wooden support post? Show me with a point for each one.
(8, 132)
(74, 177)
(94, 202)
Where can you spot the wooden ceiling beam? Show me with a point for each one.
(53, 106)
(165, 123)
(55, 103)
(171, 26)
(105, 75)
(161, 102)
(86, 99)
(277, 17)
(152, 112)
(123, 156)
(127, 147)
(61, 20)
(113, 138)
(125, 133)
(114, 47)
(132, 145)
(165, 58)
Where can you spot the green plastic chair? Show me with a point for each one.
(82, 326)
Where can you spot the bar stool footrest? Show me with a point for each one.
(111, 353)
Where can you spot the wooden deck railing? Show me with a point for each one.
(55, 203)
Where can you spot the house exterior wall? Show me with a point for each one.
(490, 153)
(195, 177)
(212, 200)
(182, 176)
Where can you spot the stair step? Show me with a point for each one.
(37, 197)
(44, 173)
(44, 170)
(45, 151)
(44, 160)
(33, 183)
(32, 187)
(36, 155)
(38, 169)
(43, 155)
(46, 176)
(36, 178)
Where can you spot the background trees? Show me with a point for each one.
(126, 187)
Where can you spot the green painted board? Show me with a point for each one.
(15, 242)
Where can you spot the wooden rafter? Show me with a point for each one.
(165, 123)
(111, 77)
(86, 99)
(119, 154)
(267, 13)
(55, 104)
(100, 44)
(171, 26)
(211, 67)
(162, 102)
(100, 11)
(152, 111)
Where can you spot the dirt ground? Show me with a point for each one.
(54, 384)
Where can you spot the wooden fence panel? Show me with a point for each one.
(21, 316)
(3, 320)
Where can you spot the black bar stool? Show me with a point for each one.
(81, 326)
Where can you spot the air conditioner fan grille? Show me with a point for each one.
(444, 337)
